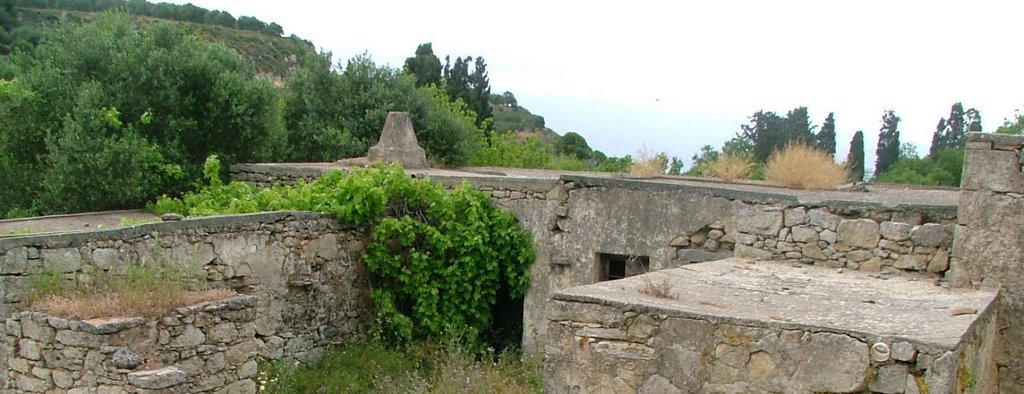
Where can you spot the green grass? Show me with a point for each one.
(370, 367)
(128, 222)
(17, 232)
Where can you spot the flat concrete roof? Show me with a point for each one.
(786, 296)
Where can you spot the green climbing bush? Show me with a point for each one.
(439, 260)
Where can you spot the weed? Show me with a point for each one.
(729, 166)
(17, 232)
(128, 222)
(805, 167)
(648, 163)
(420, 367)
(660, 288)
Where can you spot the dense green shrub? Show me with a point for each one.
(439, 260)
(104, 115)
(944, 169)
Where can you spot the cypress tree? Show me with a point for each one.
(826, 137)
(888, 150)
(856, 157)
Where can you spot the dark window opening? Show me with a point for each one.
(616, 266)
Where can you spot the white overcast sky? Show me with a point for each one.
(673, 76)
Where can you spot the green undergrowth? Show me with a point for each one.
(440, 260)
(418, 367)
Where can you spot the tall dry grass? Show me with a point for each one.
(805, 167)
(729, 166)
(648, 163)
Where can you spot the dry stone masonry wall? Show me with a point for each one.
(206, 348)
(814, 235)
(304, 268)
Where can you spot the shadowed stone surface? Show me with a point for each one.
(736, 325)
(398, 143)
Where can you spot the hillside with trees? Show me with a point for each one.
(24, 24)
(108, 110)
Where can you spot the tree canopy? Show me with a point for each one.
(888, 149)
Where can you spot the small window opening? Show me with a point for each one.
(617, 266)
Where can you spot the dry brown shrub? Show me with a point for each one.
(151, 303)
(729, 166)
(805, 167)
(648, 163)
(660, 288)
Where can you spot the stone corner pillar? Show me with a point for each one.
(988, 242)
(398, 143)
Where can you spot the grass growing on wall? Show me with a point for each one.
(149, 289)
(439, 260)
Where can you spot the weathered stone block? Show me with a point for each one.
(804, 234)
(14, 261)
(998, 171)
(872, 265)
(79, 339)
(751, 252)
(158, 378)
(889, 379)
(757, 220)
(939, 261)
(657, 384)
(828, 236)
(190, 337)
(895, 231)
(62, 260)
(903, 351)
(914, 262)
(814, 252)
(106, 258)
(822, 218)
(124, 358)
(41, 332)
(859, 233)
(930, 235)
(29, 349)
(795, 216)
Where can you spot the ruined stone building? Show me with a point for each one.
(651, 285)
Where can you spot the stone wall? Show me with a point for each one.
(305, 268)
(733, 326)
(210, 347)
(989, 240)
(678, 224)
(576, 217)
(267, 175)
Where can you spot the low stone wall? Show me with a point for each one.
(814, 235)
(305, 268)
(267, 175)
(210, 347)
(735, 326)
